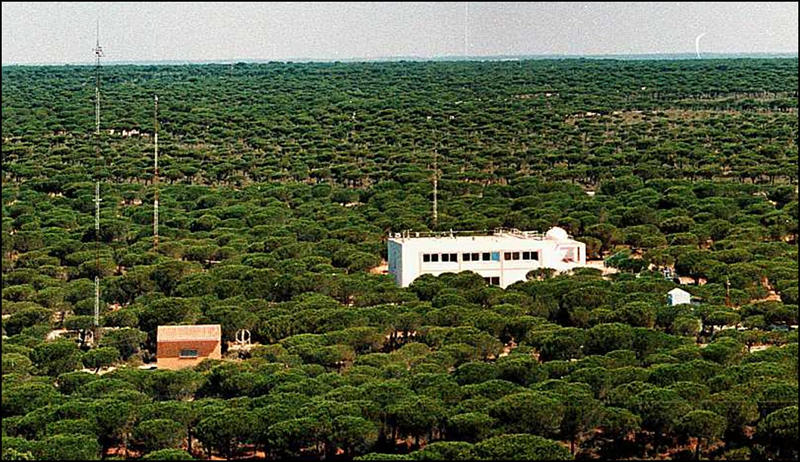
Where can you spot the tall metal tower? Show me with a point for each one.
(435, 189)
(98, 53)
(155, 178)
(435, 176)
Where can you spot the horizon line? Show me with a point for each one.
(687, 55)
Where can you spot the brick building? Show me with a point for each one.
(186, 346)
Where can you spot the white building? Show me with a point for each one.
(502, 258)
(678, 296)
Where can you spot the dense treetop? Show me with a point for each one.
(279, 184)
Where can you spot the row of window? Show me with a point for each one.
(479, 256)
(492, 281)
(521, 255)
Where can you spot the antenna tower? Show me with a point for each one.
(155, 178)
(98, 53)
(435, 189)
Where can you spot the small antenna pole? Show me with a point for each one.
(155, 179)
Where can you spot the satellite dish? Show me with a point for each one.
(557, 234)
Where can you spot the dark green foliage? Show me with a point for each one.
(127, 341)
(520, 447)
(68, 447)
(53, 358)
(100, 357)
(168, 454)
(21, 398)
(156, 434)
(470, 426)
(530, 411)
(224, 430)
(279, 184)
(780, 430)
(445, 450)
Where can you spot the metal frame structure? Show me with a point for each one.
(98, 53)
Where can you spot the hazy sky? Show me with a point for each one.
(65, 32)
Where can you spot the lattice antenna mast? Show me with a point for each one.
(98, 53)
(435, 179)
(97, 201)
(435, 188)
(155, 178)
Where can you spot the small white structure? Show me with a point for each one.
(678, 296)
(502, 258)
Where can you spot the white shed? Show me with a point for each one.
(678, 296)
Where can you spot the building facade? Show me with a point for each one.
(678, 296)
(186, 346)
(502, 258)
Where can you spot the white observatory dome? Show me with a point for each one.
(557, 234)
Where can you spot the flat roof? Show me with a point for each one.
(486, 238)
(189, 332)
(500, 234)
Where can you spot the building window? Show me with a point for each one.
(515, 256)
(486, 256)
(465, 257)
(476, 256)
(445, 257)
(454, 257)
(492, 281)
(434, 257)
(188, 353)
(507, 256)
(530, 255)
(495, 256)
(426, 257)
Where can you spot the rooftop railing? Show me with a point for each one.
(467, 233)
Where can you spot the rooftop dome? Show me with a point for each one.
(557, 234)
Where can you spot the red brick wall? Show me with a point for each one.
(168, 353)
